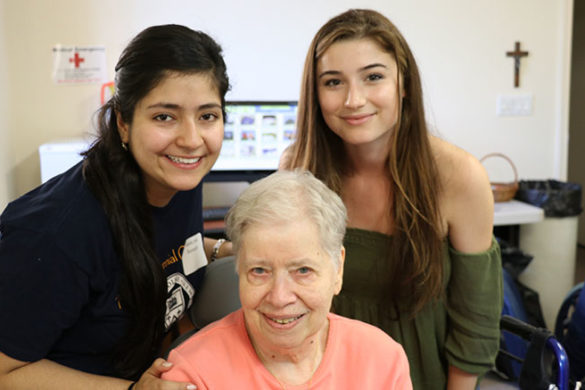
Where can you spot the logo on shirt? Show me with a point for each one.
(174, 257)
(180, 297)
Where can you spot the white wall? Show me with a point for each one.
(460, 46)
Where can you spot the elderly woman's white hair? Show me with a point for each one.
(286, 196)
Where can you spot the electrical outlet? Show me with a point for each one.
(514, 105)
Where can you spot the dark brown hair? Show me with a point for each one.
(115, 179)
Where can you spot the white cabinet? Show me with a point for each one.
(57, 157)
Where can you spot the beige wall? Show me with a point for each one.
(5, 158)
(460, 46)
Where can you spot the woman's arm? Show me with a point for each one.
(469, 213)
(225, 249)
(460, 380)
(46, 374)
(470, 205)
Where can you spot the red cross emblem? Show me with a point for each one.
(77, 60)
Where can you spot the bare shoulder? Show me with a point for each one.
(285, 159)
(461, 173)
(466, 200)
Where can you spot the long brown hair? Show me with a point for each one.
(416, 253)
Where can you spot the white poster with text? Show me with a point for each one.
(79, 64)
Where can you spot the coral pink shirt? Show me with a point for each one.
(357, 356)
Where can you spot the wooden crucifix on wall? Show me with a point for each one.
(517, 54)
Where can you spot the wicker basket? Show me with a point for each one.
(503, 192)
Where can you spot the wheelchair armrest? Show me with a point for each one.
(518, 327)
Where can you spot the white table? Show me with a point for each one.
(515, 212)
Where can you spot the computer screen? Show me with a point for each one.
(256, 133)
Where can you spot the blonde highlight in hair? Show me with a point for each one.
(416, 252)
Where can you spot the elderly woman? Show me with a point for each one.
(287, 232)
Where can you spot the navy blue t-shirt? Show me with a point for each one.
(59, 272)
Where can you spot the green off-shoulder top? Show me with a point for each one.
(461, 329)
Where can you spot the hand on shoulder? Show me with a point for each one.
(151, 379)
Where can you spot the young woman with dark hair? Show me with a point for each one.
(94, 270)
(421, 261)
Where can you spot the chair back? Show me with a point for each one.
(219, 293)
(218, 296)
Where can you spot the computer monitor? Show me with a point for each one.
(256, 133)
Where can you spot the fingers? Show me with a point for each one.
(159, 384)
(158, 367)
(151, 379)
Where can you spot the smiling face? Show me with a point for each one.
(357, 86)
(175, 135)
(287, 283)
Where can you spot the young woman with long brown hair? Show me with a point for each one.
(421, 260)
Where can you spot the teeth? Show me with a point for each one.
(285, 320)
(182, 160)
